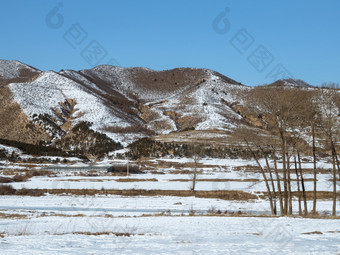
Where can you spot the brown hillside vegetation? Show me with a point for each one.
(168, 80)
(182, 106)
(14, 124)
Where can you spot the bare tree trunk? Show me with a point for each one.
(278, 182)
(290, 199)
(298, 185)
(314, 170)
(337, 163)
(270, 196)
(303, 186)
(272, 183)
(127, 167)
(194, 180)
(196, 156)
(285, 186)
(334, 179)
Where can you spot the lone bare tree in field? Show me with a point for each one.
(197, 154)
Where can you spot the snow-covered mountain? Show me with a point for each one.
(123, 103)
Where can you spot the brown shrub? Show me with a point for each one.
(12, 216)
(5, 180)
(6, 190)
(156, 172)
(20, 178)
(39, 173)
(29, 192)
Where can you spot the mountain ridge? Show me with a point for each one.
(123, 103)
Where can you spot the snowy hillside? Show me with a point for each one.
(127, 103)
(45, 93)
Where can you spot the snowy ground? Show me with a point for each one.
(220, 169)
(164, 182)
(97, 225)
(169, 235)
(110, 224)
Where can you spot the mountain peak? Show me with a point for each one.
(297, 83)
(10, 69)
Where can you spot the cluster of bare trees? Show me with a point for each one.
(298, 121)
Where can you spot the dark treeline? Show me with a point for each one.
(37, 149)
(85, 141)
(147, 147)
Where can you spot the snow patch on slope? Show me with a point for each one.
(76, 76)
(10, 149)
(206, 104)
(50, 88)
(295, 83)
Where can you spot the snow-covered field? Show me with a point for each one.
(112, 224)
(214, 169)
(116, 225)
(164, 182)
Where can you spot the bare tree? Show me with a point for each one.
(276, 108)
(253, 144)
(291, 115)
(197, 156)
(310, 120)
(278, 179)
(302, 185)
(290, 194)
(127, 166)
(269, 171)
(298, 185)
(328, 103)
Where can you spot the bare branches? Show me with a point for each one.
(294, 118)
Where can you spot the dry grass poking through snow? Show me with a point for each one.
(215, 180)
(12, 216)
(313, 233)
(24, 175)
(6, 190)
(118, 234)
(184, 172)
(221, 194)
(136, 180)
(127, 234)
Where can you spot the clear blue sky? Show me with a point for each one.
(302, 36)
